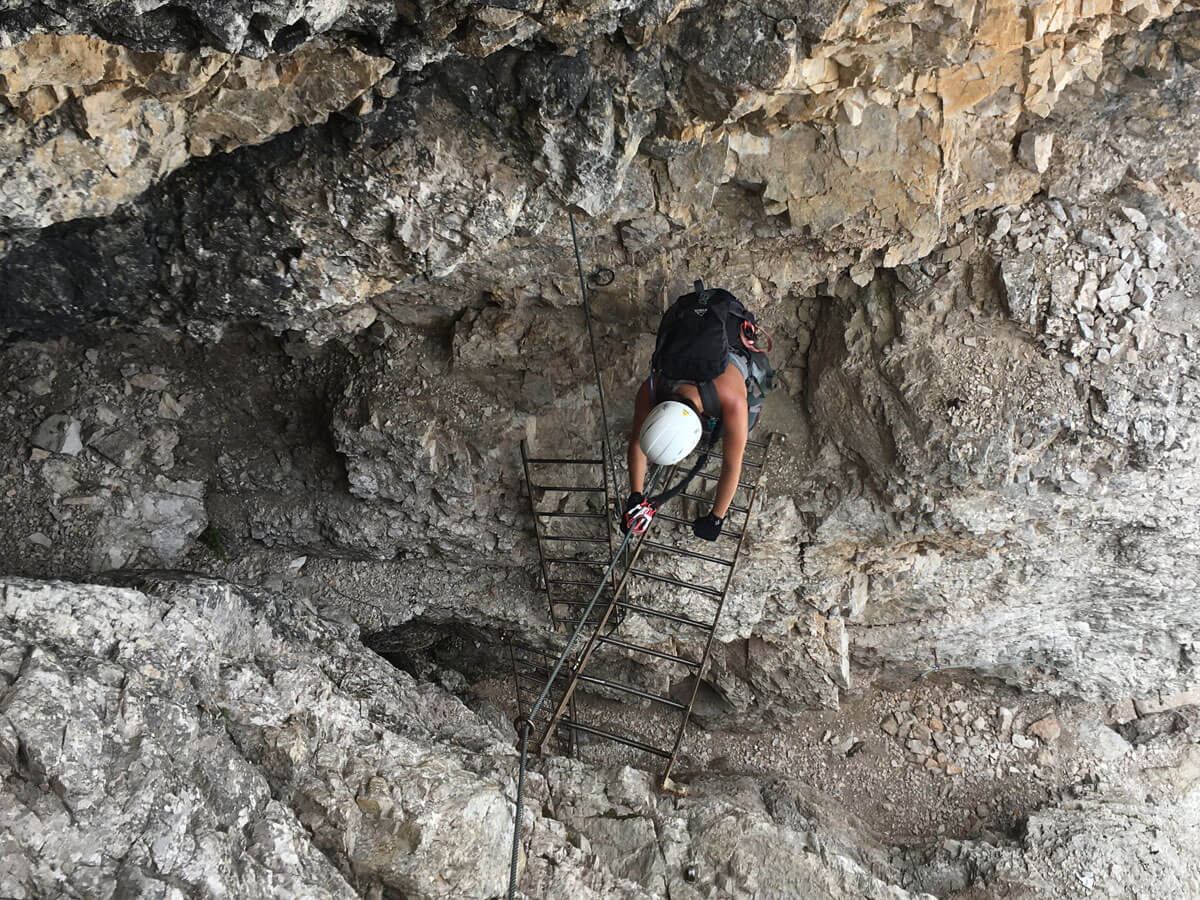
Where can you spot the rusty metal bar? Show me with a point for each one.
(637, 648)
(741, 485)
(732, 507)
(675, 582)
(688, 522)
(545, 460)
(646, 610)
(716, 454)
(600, 732)
(619, 686)
(690, 554)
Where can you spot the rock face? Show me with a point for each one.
(193, 735)
(90, 125)
(284, 287)
(859, 136)
(199, 737)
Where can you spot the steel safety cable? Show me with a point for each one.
(609, 462)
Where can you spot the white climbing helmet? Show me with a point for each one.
(671, 431)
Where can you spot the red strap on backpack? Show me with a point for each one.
(752, 334)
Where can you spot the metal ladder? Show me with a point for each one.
(693, 629)
(571, 557)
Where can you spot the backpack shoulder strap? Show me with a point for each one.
(709, 399)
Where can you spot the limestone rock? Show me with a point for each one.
(1034, 151)
(59, 434)
(1045, 729)
(295, 779)
(138, 117)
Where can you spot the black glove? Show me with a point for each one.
(708, 527)
(634, 499)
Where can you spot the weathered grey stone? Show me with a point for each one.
(191, 740)
(1034, 150)
(59, 434)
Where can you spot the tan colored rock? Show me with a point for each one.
(139, 116)
(1046, 729)
(1161, 703)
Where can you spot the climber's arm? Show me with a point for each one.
(733, 448)
(637, 459)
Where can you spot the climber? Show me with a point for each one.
(708, 376)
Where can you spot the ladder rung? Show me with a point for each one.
(567, 489)
(745, 462)
(670, 518)
(628, 742)
(671, 617)
(571, 515)
(654, 545)
(529, 676)
(532, 696)
(591, 584)
(732, 507)
(529, 648)
(753, 443)
(601, 563)
(647, 611)
(618, 686)
(708, 476)
(581, 540)
(546, 460)
(667, 579)
(625, 645)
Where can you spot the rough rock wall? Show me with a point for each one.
(828, 136)
(198, 737)
(187, 735)
(962, 422)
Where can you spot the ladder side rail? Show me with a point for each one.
(537, 530)
(666, 776)
(608, 515)
(512, 658)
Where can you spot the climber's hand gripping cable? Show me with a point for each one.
(639, 510)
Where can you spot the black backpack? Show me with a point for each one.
(696, 336)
